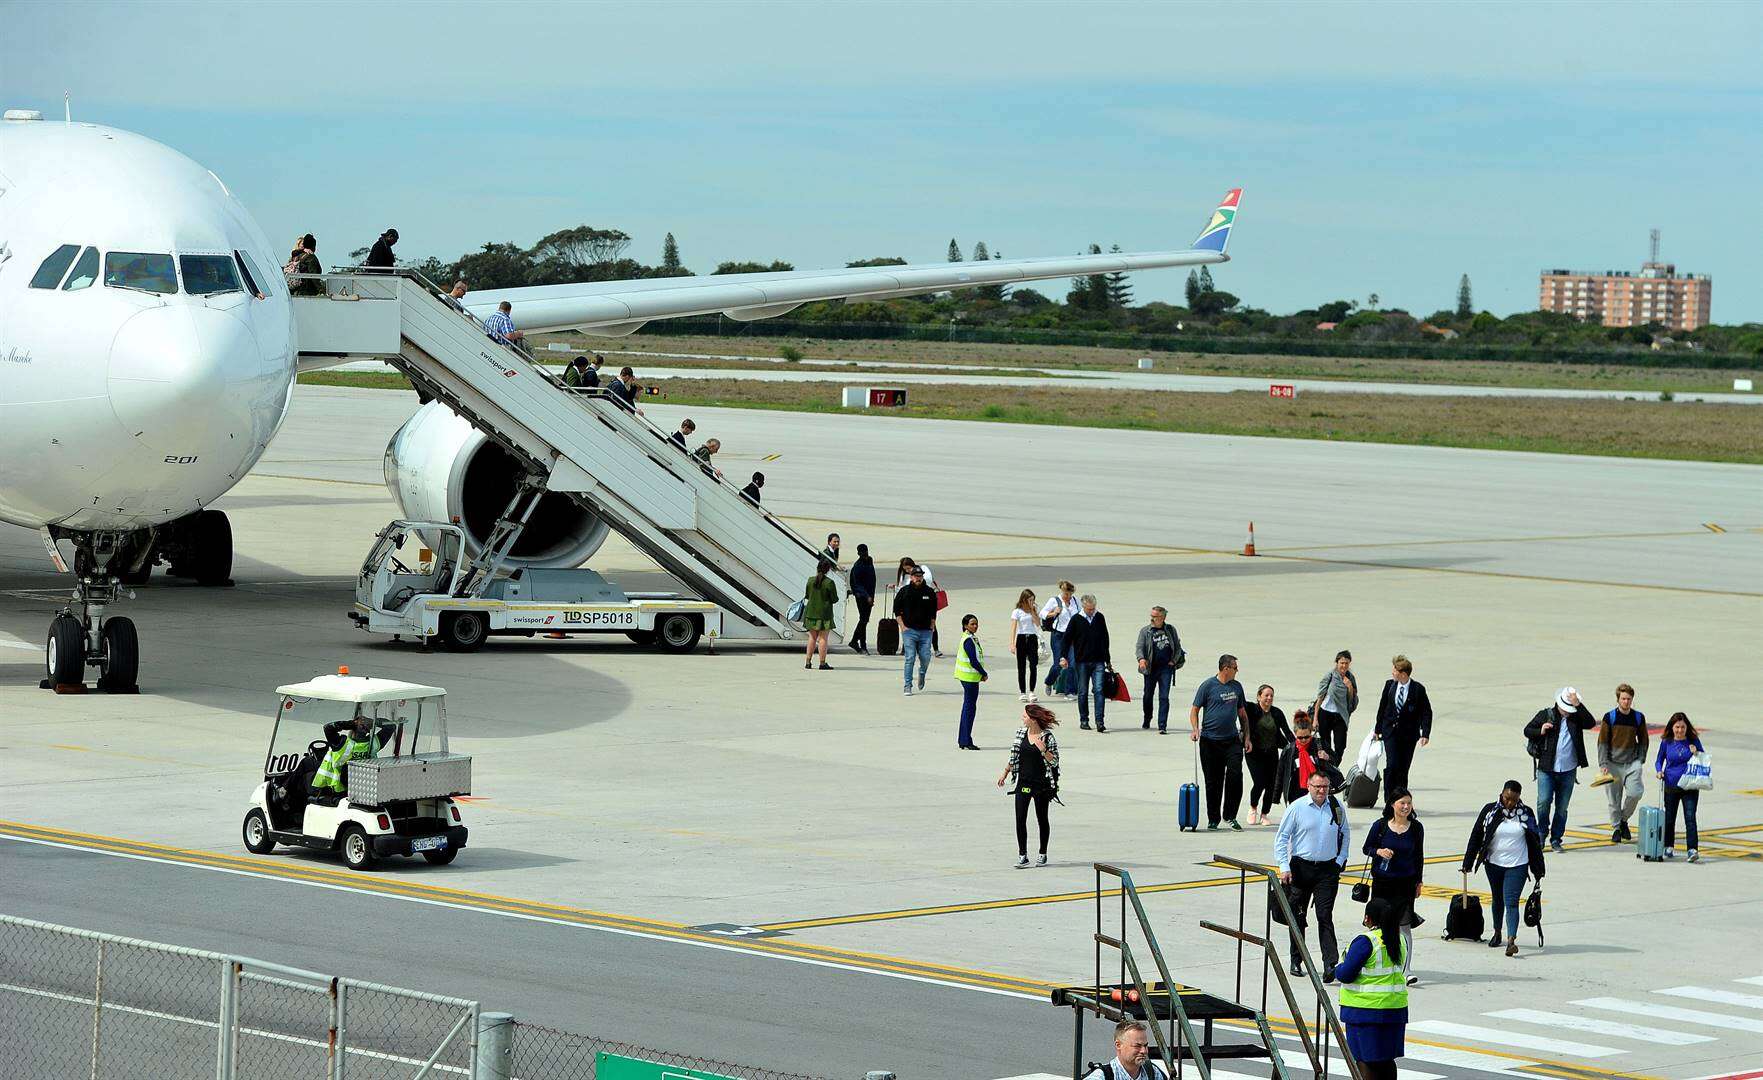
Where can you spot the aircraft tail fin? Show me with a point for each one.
(1216, 234)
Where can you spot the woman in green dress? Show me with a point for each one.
(819, 599)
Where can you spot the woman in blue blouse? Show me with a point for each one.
(1374, 1001)
(1675, 750)
(1397, 846)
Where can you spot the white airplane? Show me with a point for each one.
(148, 352)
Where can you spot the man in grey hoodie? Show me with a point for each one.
(1337, 695)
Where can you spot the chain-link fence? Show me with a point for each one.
(78, 1003)
(542, 1053)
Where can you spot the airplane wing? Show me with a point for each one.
(616, 308)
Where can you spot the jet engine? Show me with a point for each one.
(440, 468)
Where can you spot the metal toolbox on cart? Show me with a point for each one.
(377, 781)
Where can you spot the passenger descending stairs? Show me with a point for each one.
(582, 444)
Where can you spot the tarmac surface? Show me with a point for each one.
(856, 863)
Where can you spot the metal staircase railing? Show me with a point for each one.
(1181, 1029)
(1327, 1022)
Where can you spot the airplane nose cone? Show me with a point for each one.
(176, 374)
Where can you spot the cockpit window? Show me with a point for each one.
(245, 271)
(205, 275)
(145, 272)
(49, 274)
(85, 272)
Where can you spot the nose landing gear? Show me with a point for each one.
(88, 638)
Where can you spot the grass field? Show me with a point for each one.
(1681, 430)
(906, 353)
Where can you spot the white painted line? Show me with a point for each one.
(1593, 1026)
(1754, 980)
(1463, 1059)
(1669, 1012)
(1512, 1039)
(1295, 1059)
(460, 906)
(1040, 1076)
(8, 642)
(1715, 997)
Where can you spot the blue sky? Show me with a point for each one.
(1384, 148)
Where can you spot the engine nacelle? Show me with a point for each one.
(440, 468)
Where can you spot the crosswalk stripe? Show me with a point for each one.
(1462, 1059)
(1653, 1011)
(1715, 997)
(1754, 980)
(1297, 1060)
(1593, 1026)
(1512, 1039)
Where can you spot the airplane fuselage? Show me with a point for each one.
(141, 376)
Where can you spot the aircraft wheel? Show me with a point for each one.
(356, 848)
(257, 838)
(65, 653)
(122, 657)
(212, 543)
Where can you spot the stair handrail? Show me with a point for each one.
(1272, 956)
(1130, 892)
(1325, 1008)
(1171, 1059)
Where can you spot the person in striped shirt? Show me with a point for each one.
(500, 325)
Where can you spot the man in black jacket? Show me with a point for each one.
(1086, 645)
(1404, 721)
(915, 606)
(1556, 741)
(862, 583)
(380, 257)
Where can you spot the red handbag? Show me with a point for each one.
(942, 599)
(1120, 692)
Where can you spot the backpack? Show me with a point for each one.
(1105, 1070)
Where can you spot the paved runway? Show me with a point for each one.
(831, 811)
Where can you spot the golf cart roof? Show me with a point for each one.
(358, 688)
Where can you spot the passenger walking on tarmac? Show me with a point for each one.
(821, 597)
(1677, 745)
(1159, 652)
(1086, 643)
(1336, 698)
(1270, 736)
(1373, 998)
(1556, 738)
(904, 578)
(753, 487)
(1506, 841)
(1132, 1056)
(970, 671)
(380, 256)
(1311, 849)
(1397, 846)
(1056, 618)
(1219, 722)
(1032, 776)
(685, 431)
(1622, 761)
(500, 325)
(1303, 757)
(915, 606)
(862, 582)
(831, 552)
(348, 740)
(1025, 642)
(1404, 721)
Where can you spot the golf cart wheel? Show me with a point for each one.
(464, 631)
(257, 838)
(356, 848)
(440, 858)
(65, 652)
(676, 633)
(641, 637)
(121, 661)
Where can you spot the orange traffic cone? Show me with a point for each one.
(1249, 545)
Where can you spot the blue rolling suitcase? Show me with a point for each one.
(1650, 843)
(1187, 800)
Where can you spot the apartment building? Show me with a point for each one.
(1658, 294)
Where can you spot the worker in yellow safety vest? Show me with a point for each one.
(970, 669)
(1374, 991)
(348, 740)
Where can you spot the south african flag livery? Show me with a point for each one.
(1217, 231)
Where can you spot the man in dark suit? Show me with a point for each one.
(1404, 721)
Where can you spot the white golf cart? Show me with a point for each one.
(398, 801)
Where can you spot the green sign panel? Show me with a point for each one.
(614, 1067)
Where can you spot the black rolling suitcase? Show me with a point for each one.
(1464, 922)
(887, 637)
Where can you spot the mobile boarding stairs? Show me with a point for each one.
(1144, 991)
(575, 442)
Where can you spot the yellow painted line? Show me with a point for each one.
(369, 883)
(988, 905)
(120, 754)
(1711, 527)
